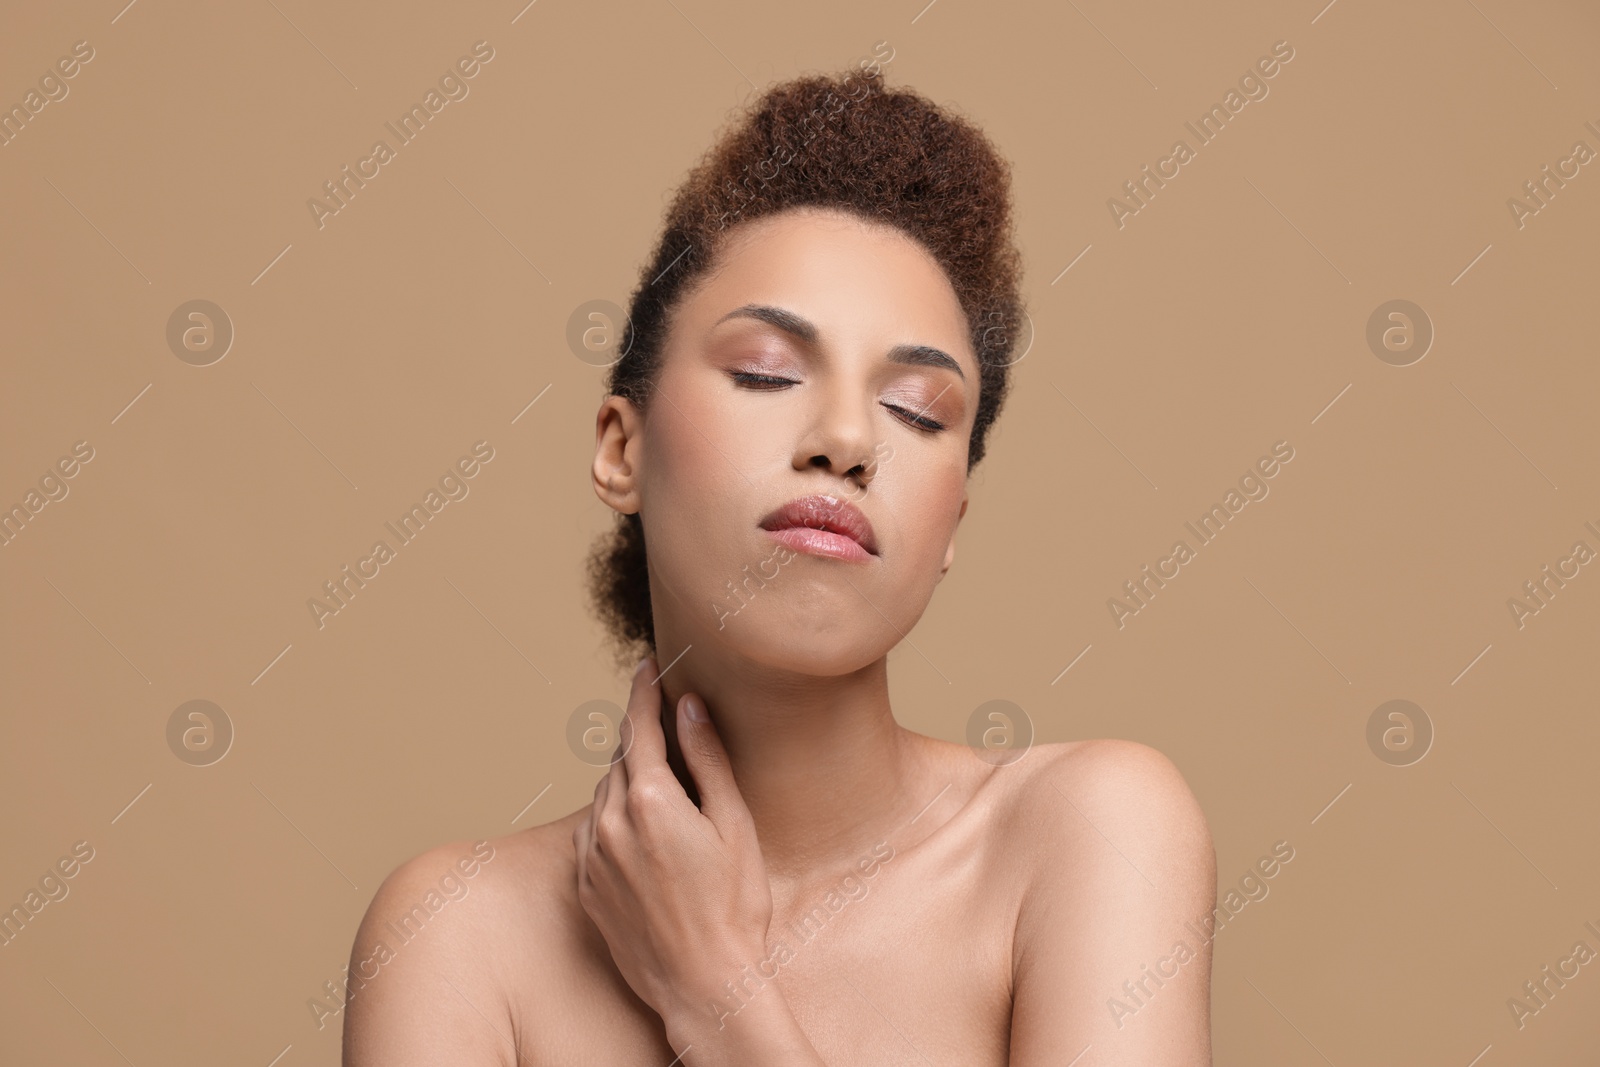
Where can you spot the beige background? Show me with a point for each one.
(1229, 314)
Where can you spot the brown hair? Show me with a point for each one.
(849, 143)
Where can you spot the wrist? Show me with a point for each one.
(707, 1012)
(751, 1024)
(705, 1005)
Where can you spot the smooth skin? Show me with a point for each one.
(799, 879)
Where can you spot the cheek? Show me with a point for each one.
(701, 435)
(683, 470)
(682, 456)
(926, 500)
(702, 484)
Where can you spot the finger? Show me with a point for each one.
(707, 760)
(612, 804)
(593, 817)
(645, 744)
(580, 847)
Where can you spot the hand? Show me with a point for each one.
(680, 894)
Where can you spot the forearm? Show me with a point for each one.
(762, 1031)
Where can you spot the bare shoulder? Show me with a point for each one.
(1119, 868)
(504, 887)
(447, 936)
(1129, 773)
(1127, 802)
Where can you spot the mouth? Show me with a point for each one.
(823, 526)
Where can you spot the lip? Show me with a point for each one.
(823, 526)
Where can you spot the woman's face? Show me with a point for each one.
(821, 357)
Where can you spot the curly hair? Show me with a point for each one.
(845, 142)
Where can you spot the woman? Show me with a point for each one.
(774, 871)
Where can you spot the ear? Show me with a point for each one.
(950, 550)
(618, 445)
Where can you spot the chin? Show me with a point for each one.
(820, 640)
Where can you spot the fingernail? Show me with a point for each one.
(640, 666)
(695, 710)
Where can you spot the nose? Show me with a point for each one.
(839, 438)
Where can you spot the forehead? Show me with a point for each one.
(841, 271)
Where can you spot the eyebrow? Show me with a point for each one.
(805, 330)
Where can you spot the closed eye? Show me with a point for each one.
(761, 381)
(921, 422)
(767, 382)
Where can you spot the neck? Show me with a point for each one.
(821, 763)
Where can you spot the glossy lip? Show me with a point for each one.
(836, 520)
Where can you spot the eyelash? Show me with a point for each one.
(767, 381)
